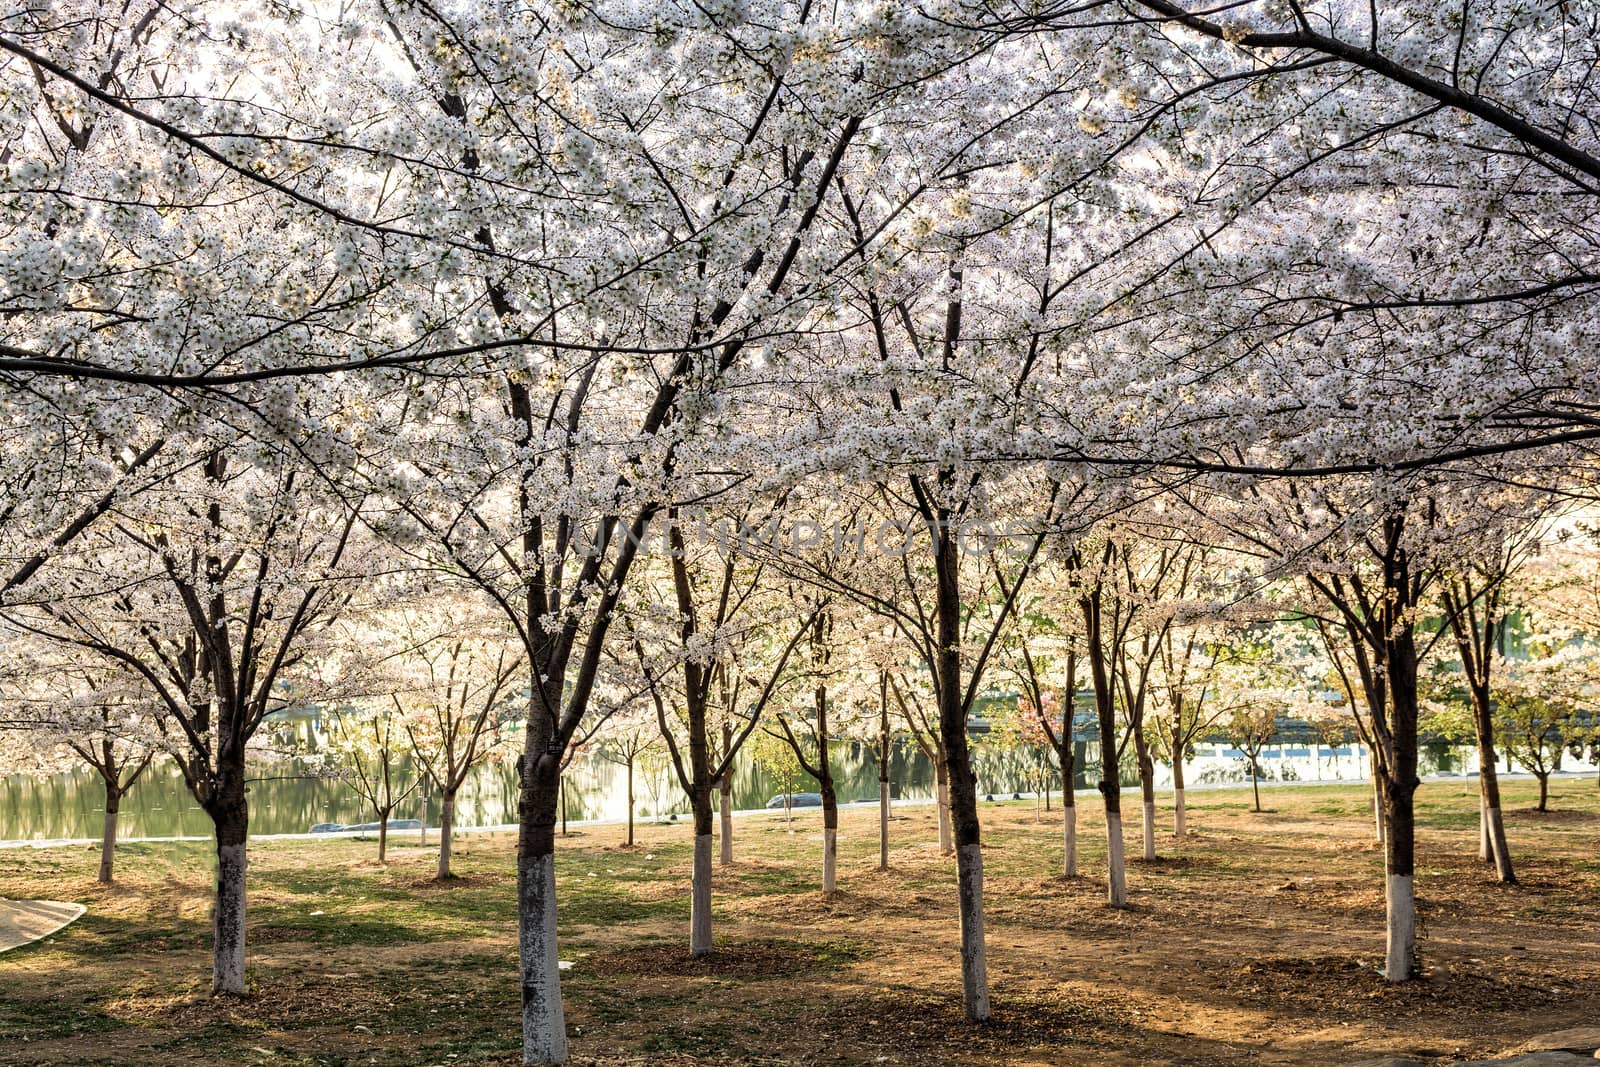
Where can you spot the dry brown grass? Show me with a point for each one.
(1254, 941)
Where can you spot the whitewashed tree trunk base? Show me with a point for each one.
(447, 823)
(544, 1027)
(883, 825)
(700, 898)
(227, 974)
(725, 821)
(1149, 830)
(830, 862)
(1116, 869)
(974, 967)
(1069, 842)
(942, 797)
(108, 846)
(1501, 848)
(1485, 846)
(1402, 925)
(1179, 815)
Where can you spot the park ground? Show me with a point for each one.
(1254, 942)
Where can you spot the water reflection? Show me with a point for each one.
(283, 801)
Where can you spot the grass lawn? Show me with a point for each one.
(1255, 941)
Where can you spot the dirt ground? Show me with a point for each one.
(1255, 941)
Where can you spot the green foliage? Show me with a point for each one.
(774, 755)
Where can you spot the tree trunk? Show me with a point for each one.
(1399, 808)
(1116, 868)
(1255, 781)
(883, 825)
(969, 882)
(1110, 784)
(1377, 804)
(544, 1031)
(108, 834)
(963, 785)
(941, 795)
(427, 794)
(1501, 850)
(1069, 807)
(1400, 864)
(630, 802)
(1544, 790)
(700, 893)
(1492, 845)
(830, 851)
(1147, 783)
(883, 788)
(447, 826)
(830, 800)
(231, 819)
(383, 834)
(700, 874)
(1485, 849)
(1179, 814)
(725, 791)
(1147, 795)
(1069, 840)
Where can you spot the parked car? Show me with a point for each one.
(797, 800)
(327, 827)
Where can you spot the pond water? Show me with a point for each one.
(282, 801)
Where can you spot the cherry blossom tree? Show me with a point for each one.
(720, 641)
(211, 594)
(1043, 656)
(1539, 700)
(447, 680)
(60, 710)
(367, 747)
(623, 741)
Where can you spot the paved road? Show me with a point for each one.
(24, 921)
